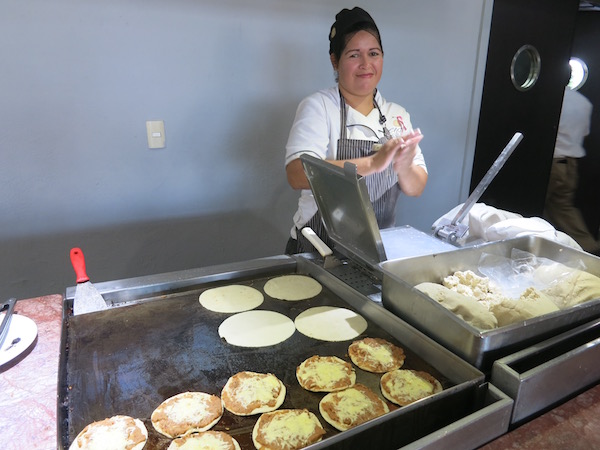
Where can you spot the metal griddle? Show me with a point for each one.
(157, 341)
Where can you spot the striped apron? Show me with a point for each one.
(383, 188)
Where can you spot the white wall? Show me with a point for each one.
(79, 79)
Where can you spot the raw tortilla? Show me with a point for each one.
(329, 323)
(256, 328)
(231, 299)
(292, 287)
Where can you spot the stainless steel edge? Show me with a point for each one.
(129, 290)
(567, 373)
(473, 430)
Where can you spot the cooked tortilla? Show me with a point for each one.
(351, 407)
(404, 386)
(117, 432)
(247, 393)
(287, 429)
(325, 374)
(376, 355)
(213, 440)
(186, 413)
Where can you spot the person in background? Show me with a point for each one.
(344, 122)
(559, 208)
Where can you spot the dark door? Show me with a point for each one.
(586, 46)
(548, 26)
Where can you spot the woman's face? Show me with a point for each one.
(360, 65)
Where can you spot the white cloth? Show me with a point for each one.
(489, 224)
(316, 130)
(574, 125)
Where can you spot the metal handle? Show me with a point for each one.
(315, 240)
(7, 318)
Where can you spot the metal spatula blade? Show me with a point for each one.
(87, 298)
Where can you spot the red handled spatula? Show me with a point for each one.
(87, 298)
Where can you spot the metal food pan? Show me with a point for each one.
(480, 348)
(127, 360)
(543, 375)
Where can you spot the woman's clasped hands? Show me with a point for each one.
(399, 151)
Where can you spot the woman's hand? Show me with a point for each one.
(367, 165)
(397, 151)
(383, 157)
(412, 178)
(408, 149)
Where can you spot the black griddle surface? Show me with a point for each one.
(128, 360)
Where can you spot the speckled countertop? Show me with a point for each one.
(574, 425)
(28, 399)
(28, 389)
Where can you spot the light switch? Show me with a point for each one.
(156, 133)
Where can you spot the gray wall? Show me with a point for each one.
(79, 79)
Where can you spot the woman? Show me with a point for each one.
(342, 123)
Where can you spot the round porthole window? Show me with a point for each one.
(579, 73)
(525, 68)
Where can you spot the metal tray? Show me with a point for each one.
(158, 341)
(480, 348)
(545, 374)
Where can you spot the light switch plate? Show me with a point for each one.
(156, 133)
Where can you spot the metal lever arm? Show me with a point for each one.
(487, 179)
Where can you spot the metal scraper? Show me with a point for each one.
(87, 298)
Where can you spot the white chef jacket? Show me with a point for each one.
(316, 130)
(574, 125)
